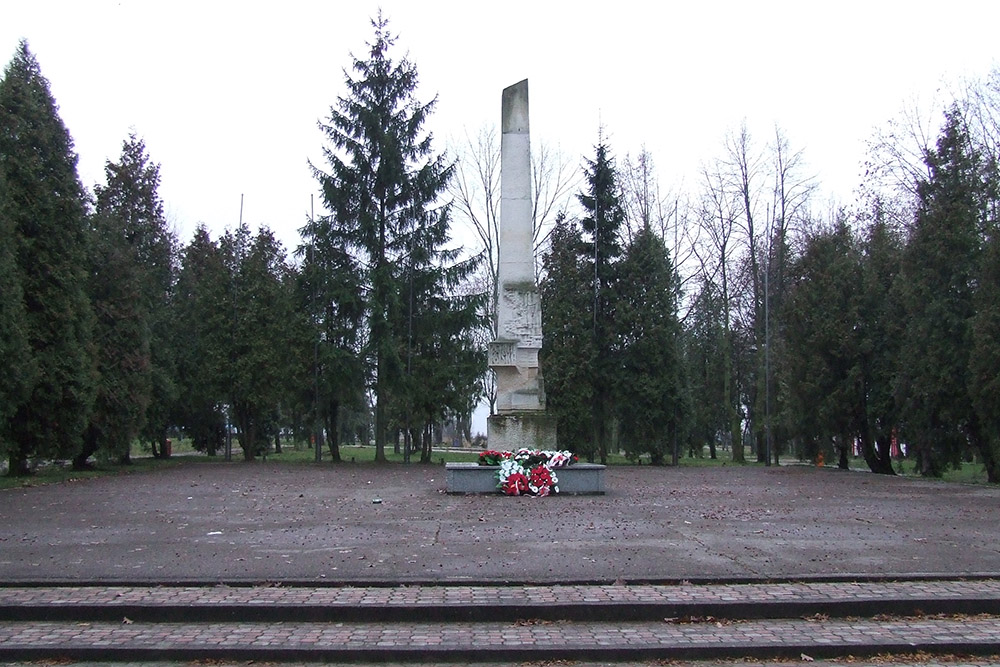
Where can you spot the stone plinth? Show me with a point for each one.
(511, 431)
(581, 479)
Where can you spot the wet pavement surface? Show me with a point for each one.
(214, 522)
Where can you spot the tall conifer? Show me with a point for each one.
(130, 277)
(384, 183)
(936, 288)
(649, 388)
(130, 197)
(42, 203)
(202, 320)
(603, 218)
(568, 353)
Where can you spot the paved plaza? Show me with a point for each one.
(237, 522)
(323, 564)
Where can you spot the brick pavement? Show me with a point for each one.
(773, 638)
(927, 596)
(250, 623)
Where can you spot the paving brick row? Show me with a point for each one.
(472, 641)
(404, 595)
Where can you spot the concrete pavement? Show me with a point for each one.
(297, 564)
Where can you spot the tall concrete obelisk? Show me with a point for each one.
(521, 420)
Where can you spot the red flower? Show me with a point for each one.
(516, 484)
(490, 457)
(541, 480)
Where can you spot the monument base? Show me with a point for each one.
(514, 430)
(472, 478)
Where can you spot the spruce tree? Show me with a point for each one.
(879, 331)
(649, 392)
(329, 291)
(603, 218)
(984, 359)
(704, 341)
(436, 333)
(568, 353)
(936, 289)
(121, 345)
(384, 182)
(43, 206)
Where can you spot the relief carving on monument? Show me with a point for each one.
(503, 353)
(525, 316)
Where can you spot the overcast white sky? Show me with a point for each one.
(227, 94)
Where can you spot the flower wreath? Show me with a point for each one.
(527, 471)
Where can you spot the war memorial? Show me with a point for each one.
(214, 562)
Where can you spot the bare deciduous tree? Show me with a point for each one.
(717, 215)
(646, 204)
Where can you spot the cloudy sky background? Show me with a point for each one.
(227, 95)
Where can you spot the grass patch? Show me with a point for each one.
(358, 454)
(966, 473)
(301, 454)
(61, 472)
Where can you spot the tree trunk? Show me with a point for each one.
(88, 450)
(735, 431)
(247, 435)
(380, 425)
(988, 448)
(876, 452)
(333, 428)
(319, 440)
(425, 444)
(991, 461)
(17, 464)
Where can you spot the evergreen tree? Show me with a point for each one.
(17, 373)
(602, 222)
(436, 333)
(121, 347)
(649, 394)
(821, 344)
(203, 320)
(704, 342)
(984, 360)
(936, 290)
(130, 276)
(568, 352)
(384, 183)
(131, 199)
(43, 205)
(330, 292)
(257, 361)
(879, 331)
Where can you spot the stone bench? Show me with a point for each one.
(576, 479)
